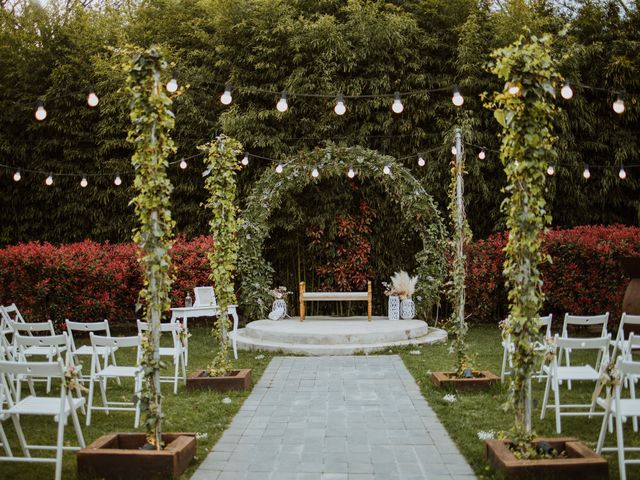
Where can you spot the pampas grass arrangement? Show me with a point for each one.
(404, 284)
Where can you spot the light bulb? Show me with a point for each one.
(622, 173)
(279, 168)
(454, 150)
(183, 164)
(514, 89)
(282, 105)
(92, 99)
(226, 97)
(245, 159)
(17, 176)
(118, 181)
(421, 161)
(618, 105)
(386, 170)
(315, 173)
(49, 180)
(41, 113)
(586, 173)
(482, 154)
(172, 85)
(83, 182)
(551, 169)
(397, 106)
(340, 109)
(351, 173)
(566, 91)
(457, 99)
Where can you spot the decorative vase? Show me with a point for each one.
(407, 309)
(394, 307)
(279, 303)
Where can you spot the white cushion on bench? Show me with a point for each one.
(335, 296)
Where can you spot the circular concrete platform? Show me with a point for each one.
(335, 335)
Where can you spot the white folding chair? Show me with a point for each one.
(53, 345)
(620, 345)
(9, 312)
(101, 373)
(557, 374)
(621, 408)
(60, 408)
(582, 321)
(177, 352)
(507, 347)
(87, 350)
(204, 297)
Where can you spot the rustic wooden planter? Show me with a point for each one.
(118, 456)
(235, 380)
(581, 462)
(481, 380)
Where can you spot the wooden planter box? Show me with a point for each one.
(118, 456)
(235, 380)
(581, 462)
(481, 380)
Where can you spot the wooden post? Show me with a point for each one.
(369, 299)
(301, 301)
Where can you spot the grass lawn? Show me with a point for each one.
(205, 412)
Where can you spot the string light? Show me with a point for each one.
(386, 170)
(279, 168)
(315, 173)
(226, 97)
(551, 169)
(421, 162)
(586, 173)
(566, 91)
(49, 180)
(397, 105)
(183, 164)
(514, 89)
(41, 112)
(340, 109)
(118, 181)
(282, 105)
(454, 150)
(172, 85)
(482, 154)
(245, 159)
(83, 182)
(622, 173)
(618, 105)
(17, 176)
(457, 99)
(351, 173)
(92, 99)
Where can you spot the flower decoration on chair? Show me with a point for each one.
(72, 379)
(183, 334)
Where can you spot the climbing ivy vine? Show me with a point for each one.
(221, 164)
(526, 111)
(152, 120)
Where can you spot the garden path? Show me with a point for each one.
(335, 418)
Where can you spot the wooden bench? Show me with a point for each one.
(333, 297)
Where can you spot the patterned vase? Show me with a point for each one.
(407, 309)
(394, 307)
(279, 303)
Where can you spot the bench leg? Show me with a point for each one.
(302, 289)
(369, 300)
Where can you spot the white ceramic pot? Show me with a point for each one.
(407, 309)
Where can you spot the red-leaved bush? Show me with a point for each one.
(584, 278)
(89, 281)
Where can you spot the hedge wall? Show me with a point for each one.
(91, 281)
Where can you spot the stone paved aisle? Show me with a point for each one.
(335, 418)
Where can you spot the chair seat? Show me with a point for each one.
(87, 350)
(115, 371)
(629, 407)
(582, 372)
(168, 351)
(46, 351)
(42, 406)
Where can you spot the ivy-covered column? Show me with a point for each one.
(526, 111)
(152, 121)
(221, 163)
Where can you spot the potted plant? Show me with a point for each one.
(402, 288)
(279, 306)
(526, 111)
(221, 165)
(464, 377)
(152, 454)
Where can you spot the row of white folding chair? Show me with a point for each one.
(60, 408)
(507, 346)
(177, 352)
(87, 350)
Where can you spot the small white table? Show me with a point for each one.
(206, 311)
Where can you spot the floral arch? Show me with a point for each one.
(255, 273)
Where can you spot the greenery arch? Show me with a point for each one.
(255, 273)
